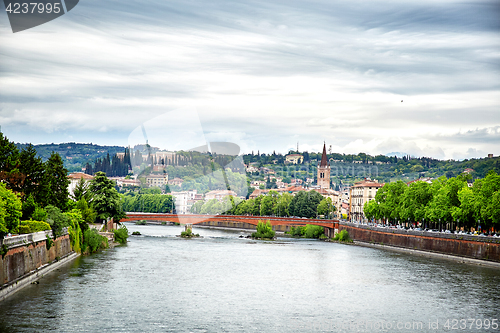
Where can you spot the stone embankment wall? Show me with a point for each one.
(467, 246)
(27, 253)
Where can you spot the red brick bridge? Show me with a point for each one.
(234, 221)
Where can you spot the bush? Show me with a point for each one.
(136, 233)
(313, 231)
(343, 236)
(141, 222)
(309, 231)
(75, 220)
(121, 234)
(39, 214)
(27, 227)
(56, 219)
(297, 231)
(92, 241)
(264, 230)
(24, 229)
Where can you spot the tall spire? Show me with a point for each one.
(324, 160)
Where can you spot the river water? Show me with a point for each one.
(223, 283)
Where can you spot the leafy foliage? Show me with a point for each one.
(121, 234)
(264, 230)
(343, 236)
(56, 219)
(93, 241)
(105, 199)
(445, 200)
(27, 227)
(308, 231)
(147, 203)
(10, 210)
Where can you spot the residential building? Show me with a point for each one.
(157, 180)
(360, 193)
(74, 179)
(175, 182)
(219, 194)
(184, 200)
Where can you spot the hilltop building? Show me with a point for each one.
(294, 158)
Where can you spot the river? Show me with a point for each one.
(222, 283)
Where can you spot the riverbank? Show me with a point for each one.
(14, 286)
(429, 254)
(29, 256)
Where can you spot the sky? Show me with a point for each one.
(417, 77)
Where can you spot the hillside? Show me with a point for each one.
(74, 155)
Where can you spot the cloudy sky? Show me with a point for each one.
(262, 74)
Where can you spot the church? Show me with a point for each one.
(324, 171)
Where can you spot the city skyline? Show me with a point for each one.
(378, 78)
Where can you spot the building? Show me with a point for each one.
(294, 158)
(256, 183)
(184, 200)
(360, 193)
(157, 180)
(74, 179)
(175, 182)
(324, 171)
(219, 194)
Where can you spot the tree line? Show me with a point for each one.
(442, 201)
(148, 202)
(304, 204)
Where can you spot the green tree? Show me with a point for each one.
(56, 219)
(9, 165)
(32, 168)
(81, 190)
(55, 183)
(283, 204)
(305, 204)
(326, 208)
(105, 198)
(415, 199)
(10, 210)
(268, 203)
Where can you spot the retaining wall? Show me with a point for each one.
(469, 246)
(27, 253)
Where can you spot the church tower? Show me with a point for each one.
(324, 171)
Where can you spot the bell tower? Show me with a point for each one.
(324, 171)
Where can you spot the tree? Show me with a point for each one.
(305, 204)
(326, 208)
(105, 199)
(268, 203)
(372, 210)
(283, 204)
(81, 190)
(32, 168)
(55, 183)
(10, 210)
(414, 201)
(9, 165)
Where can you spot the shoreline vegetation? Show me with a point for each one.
(264, 231)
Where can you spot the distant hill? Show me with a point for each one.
(74, 155)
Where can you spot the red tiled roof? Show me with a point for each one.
(78, 175)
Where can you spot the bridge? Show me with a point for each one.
(234, 221)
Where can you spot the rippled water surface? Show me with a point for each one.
(223, 283)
